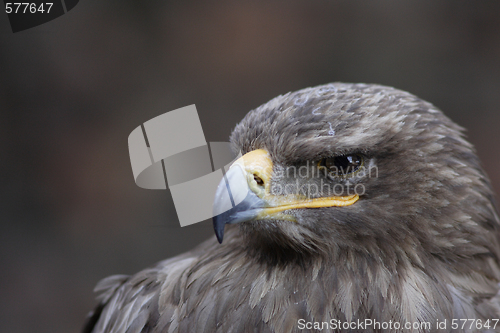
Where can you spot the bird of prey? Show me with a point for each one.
(363, 205)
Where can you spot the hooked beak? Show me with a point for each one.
(247, 184)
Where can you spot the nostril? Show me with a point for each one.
(258, 180)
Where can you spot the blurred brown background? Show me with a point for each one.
(73, 89)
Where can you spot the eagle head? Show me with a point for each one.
(359, 169)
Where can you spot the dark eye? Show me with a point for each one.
(342, 165)
(258, 180)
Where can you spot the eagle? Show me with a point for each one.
(362, 209)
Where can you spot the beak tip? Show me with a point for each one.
(218, 228)
(220, 238)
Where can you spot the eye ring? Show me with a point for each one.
(342, 165)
